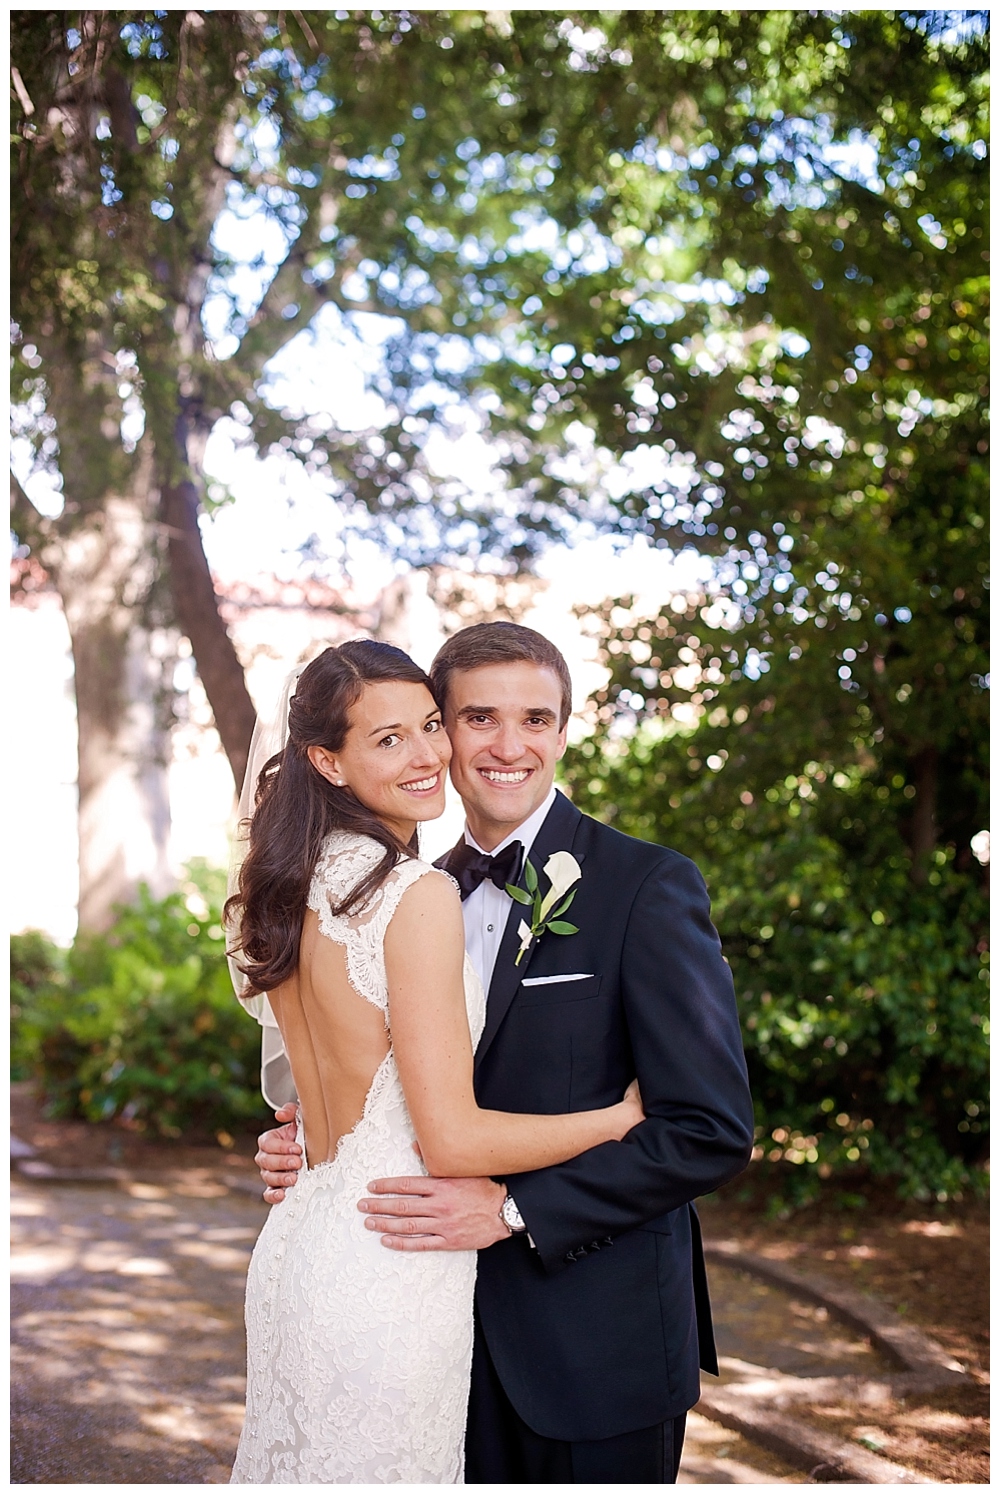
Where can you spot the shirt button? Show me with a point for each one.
(489, 928)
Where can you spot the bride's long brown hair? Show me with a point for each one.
(296, 808)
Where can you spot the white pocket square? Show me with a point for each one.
(551, 980)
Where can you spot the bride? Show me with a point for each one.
(358, 1357)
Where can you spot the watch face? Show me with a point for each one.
(511, 1214)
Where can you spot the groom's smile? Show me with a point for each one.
(507, 736)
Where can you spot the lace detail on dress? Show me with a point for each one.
(358, 1357)
(346, 860)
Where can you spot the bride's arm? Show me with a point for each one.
(424, 953)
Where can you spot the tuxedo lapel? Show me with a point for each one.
(557, 834)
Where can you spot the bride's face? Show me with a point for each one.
(395, 757)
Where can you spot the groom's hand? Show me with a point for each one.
(436, 1213)
(280, 1156)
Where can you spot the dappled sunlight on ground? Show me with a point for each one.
(758, 1324)
(716, 1455)
(931, 1270)
(128, 1334)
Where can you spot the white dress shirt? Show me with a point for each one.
(486, 910)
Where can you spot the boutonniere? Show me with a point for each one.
(563, 873)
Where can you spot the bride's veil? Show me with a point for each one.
(269, 737)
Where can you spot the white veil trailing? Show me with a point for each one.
(269, 738)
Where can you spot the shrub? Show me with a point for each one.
(36, 971)
(140, 1022)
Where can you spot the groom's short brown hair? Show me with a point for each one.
(499, 643)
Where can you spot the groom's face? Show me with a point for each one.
(506, 737)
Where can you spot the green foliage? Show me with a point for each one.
(796, 241)
(811, 726)
(36, 972)
(612, 218)
(862, 995)
(140, 1022)
(744, 251)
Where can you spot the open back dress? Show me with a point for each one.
(358, 1356)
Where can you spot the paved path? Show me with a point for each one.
(128, 1338)
(128, 1335)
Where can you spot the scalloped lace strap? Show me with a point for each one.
(398, 881)
(362, 930)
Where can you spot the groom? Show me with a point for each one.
(592, 1310)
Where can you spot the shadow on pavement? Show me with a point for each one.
(128, 1349)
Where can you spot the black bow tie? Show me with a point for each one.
(469, 867)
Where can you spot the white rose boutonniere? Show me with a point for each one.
(563, 872)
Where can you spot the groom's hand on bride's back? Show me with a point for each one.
(420, 1213)
(411, 1213)
(279, 1156)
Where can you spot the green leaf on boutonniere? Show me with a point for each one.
(530, 877)
(558, 912)
(519, 895)
(562, 928)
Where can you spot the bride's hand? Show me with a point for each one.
(631, 1108)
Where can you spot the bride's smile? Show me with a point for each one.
(395, 756)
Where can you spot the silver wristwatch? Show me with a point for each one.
(511, 1216)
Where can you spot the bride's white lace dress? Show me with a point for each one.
(358, 1356)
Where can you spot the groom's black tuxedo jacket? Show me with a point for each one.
(598, 1328)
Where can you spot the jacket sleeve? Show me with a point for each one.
(680, 1010)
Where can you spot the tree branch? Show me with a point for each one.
(34, 528)
(269, 330)
(197, 611)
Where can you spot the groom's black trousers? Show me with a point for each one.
(500, 1448)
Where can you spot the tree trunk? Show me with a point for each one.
(923, 826)
(197, 611)
(105, 568)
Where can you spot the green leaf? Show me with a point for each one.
(530, 877)
(518, 894)
(557, 912)
(562, 928)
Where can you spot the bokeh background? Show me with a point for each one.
(662, 331)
